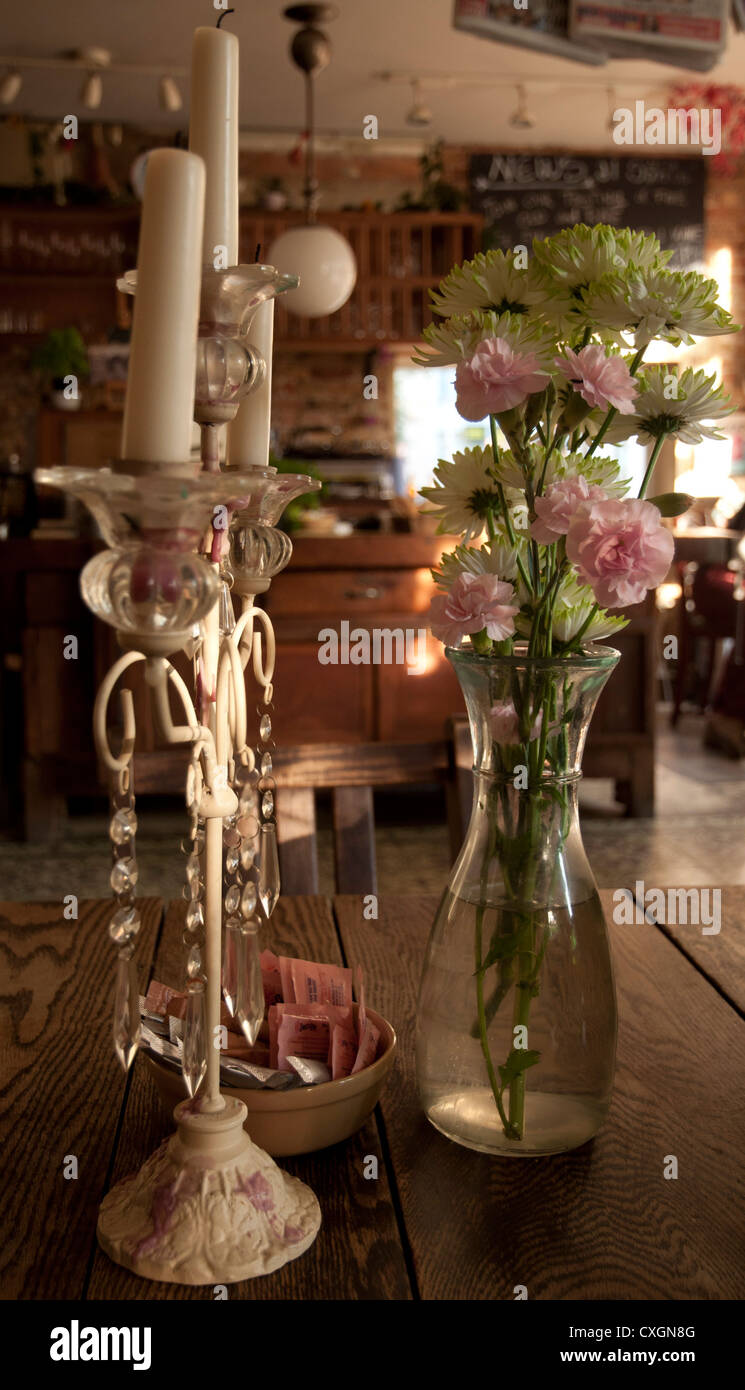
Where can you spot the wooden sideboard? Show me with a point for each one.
(365, 581)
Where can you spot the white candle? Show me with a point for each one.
(248, 440)
(213, 134)
(163, 353)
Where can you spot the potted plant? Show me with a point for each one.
(62, 361)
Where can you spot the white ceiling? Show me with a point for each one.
(369, 36)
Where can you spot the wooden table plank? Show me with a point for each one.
(602, 1222)
(720, 957)
(61, 1087)
(358, 1252)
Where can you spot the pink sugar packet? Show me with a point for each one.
(285, 975)
(301, 1036)
(315, 983)
(271, 978)
(343, 1051)
(361, 1010)
(368, 1048)
(276, 1014)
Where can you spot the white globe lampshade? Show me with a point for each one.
(325, 262)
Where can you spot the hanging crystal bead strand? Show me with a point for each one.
(194, 1052)
(268, 877)
(125, 923)
(243, 929)
(232, 883)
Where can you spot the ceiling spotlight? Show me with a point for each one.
(419, 113)
(10, 86)
(92, 91)
(522, 118)
(170, 96)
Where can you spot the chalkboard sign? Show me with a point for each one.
(522, 196)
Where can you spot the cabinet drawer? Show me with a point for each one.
(344, 592)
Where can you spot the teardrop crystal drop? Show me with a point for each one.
(248, 900)
(247, 857)
(232, 859)
(194, 1054)
(123, 826)
(193, 868)
(265, 728)
(127, 1027)
(194, 963)
(232, 899)
(194, 916)
(124, 875)
(266, 764)
(267, 804)
(250, 1010)
(124, 925)
(192, 891)
(226, 617)
(230, 962)
(268, 868)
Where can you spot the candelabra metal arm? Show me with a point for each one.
(100, 711)
(230, 673)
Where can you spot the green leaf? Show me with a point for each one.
(672, 503)
(502, 947)
(518, 1061)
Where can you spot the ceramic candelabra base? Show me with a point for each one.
(208, 1207)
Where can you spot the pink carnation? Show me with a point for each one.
(496, 379)
(555, 509)
(619, 548)
(505, 725)
(475, 602)
(600, 380)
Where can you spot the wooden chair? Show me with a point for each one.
(350, 771)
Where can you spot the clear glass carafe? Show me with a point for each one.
(516, 1020)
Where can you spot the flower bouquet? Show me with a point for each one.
(516, 1019)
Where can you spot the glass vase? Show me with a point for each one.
(516, 1019)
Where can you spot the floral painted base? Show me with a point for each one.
(208, 1207)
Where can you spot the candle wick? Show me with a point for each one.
(257, 257)
(222, 16)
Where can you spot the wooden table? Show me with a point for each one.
(440, 1222)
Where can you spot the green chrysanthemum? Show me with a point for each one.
(657, 303)
(490, 283)
(456, 339)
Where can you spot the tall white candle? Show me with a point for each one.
(213, 134)
(163, 353)
(248, 439)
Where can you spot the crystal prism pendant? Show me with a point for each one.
(230, 963)
(250, 1010)
(194, 1055)
(127, 1026)
(268, 868)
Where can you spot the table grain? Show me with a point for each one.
(440, 1222)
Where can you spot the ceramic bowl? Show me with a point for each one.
(303, 1120)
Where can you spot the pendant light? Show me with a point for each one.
(321, 256)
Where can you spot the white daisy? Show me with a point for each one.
(464, 492)
(496, 557)
(672, 404)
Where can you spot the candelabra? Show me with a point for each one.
(208, 1206)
